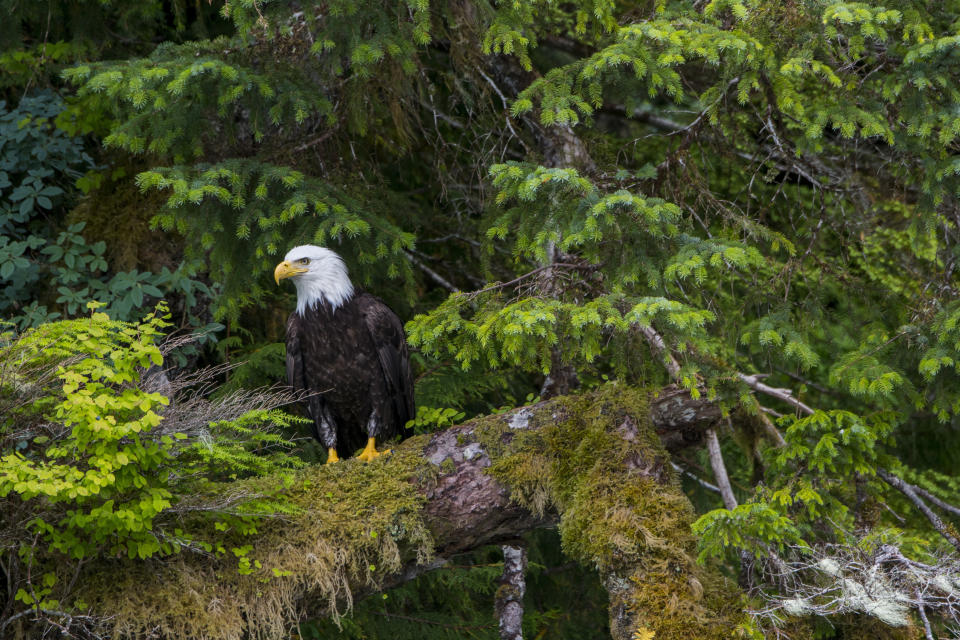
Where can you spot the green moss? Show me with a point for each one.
(592, 459)
(601, 467)
(447, 466)
(352, 522)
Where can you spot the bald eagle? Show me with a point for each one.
(349, 348)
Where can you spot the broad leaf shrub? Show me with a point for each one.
(48, 268)
(88, 465)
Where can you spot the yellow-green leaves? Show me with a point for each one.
(99, 472)
(106, 459)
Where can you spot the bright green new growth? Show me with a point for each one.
(768, 187)
(108, 469)
(86, 451)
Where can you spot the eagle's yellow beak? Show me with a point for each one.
(285, 270)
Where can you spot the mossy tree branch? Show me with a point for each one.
(594, 465)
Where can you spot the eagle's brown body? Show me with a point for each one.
(356, 358)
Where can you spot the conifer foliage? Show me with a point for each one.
(755, 200)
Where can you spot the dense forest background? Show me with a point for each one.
(756, 201)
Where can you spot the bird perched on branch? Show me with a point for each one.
(349, 348)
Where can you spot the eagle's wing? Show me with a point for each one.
(295, 376)
(298, 377)
(387, 334)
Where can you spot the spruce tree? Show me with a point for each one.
(755, 201)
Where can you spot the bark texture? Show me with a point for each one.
(596, 465)
(509, 598)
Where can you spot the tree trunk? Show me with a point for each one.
(508, 603)
(595, 465)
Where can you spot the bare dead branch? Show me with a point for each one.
(908, 491)
(703, 483)
(433, 275)
(720, 469)
(946, 506)
(786, 395)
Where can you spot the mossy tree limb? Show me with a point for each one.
(593, 465)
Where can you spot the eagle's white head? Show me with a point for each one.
(319, 275)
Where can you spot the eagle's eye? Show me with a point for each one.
(304, 260)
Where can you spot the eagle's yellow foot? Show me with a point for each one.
(370, 451)
(332, 456)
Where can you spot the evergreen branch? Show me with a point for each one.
(908, 490)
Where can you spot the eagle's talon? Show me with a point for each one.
(332, 456)
(370, 451)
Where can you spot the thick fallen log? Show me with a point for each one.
(593, 465)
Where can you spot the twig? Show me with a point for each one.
(946, 506)
(48, 612)
(923, 616)
(503, 99)
(908, 490)
(317, 140)
(703, 483)
(754, 383)
(501, 285)
(436, 277)
(809, 383)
